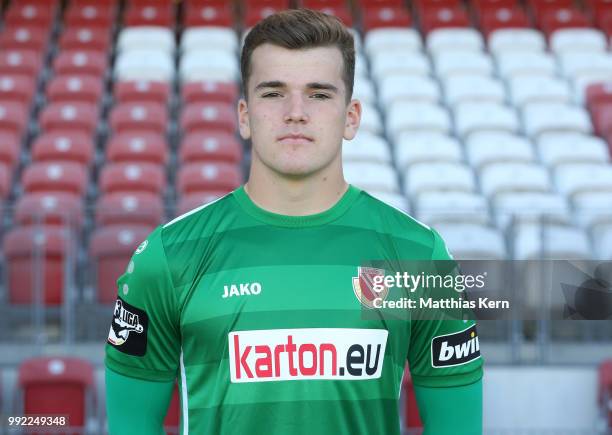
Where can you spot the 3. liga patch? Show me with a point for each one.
(455, 349)
(128, 331)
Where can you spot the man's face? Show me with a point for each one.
(297, 113)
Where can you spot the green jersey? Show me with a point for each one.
(260, 317)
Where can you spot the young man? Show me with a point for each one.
(255, 302)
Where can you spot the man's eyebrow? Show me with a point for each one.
(312, 85)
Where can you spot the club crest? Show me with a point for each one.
(364, 288)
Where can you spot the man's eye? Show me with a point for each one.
(320, 96)
(271, 94)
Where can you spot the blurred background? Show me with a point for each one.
(490, 120)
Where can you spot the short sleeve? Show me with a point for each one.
(444, 350)
(144, 336)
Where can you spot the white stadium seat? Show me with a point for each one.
(593, 208)
(514, 177)
(454, 39)
(392, 40)
(572, 179)
(541, 118)
(603, 243)
(473, 242)
(213, 64)
(473, 117)
(209, 37)
(522, 207)
(146, 37)
(361, 68)
(444, 177)
(514, 63)
(582, 81)
(363, 90)
(560, 148)
(393, 199)
(404, 116)
(485, 148)
(447, 63)
(516, 40)
(535, 241)
(144, 65)
(418, 147)
(410, 88)
(370, 119)
(585, 63)
(574, 39)
(388, 63)
(371, 176)
(366, 147)
(436, 207)
(538, 88)
(467, 87)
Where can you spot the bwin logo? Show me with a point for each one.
(123, 323)
(243, 289)
(455, 349)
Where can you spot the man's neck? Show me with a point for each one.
(295, 197)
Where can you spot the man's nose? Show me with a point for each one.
(296, 110)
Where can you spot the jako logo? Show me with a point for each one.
(455, 349)
(309, 353)
(245, 289)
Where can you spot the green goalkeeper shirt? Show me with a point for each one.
(260, 316)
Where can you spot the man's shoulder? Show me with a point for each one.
(392, 217)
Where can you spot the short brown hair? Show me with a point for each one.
(301, 28)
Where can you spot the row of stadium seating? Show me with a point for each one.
(68, 387)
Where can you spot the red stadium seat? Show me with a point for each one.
(55, 177)
(172, 420)
(24, 38)
(276, 4)
(24, 62)
(563, 18)
(9, 151)
(210, 147)
(502, 18)
(598, 7)
(604, 22)
(605, 390)
(208, 116)
(135, 208)
(71, 88)
(75, 116)
(58, 386)
(444, 18)
(110, 249)
(602, 119)
(598, 93)
(13, 117)
(6, 174)
(80, 62)
(195, 200)
(538, 7)
(255, 14)
(340, 12)
(26, 13)
(208, 15)
(17, 88)
(85, 38)
(92, 15)
(134, 146)
(132, 177)
(318, 4)
(482, 6)
(424, 7)
(64, 146)
(142, 91)
(49, 208)
(206, 177)
(209, 92)
(30, 251)
(139, 116)
(386, 17)
(150, 15)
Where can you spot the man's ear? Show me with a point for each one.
(243, 119)
(353, 118)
